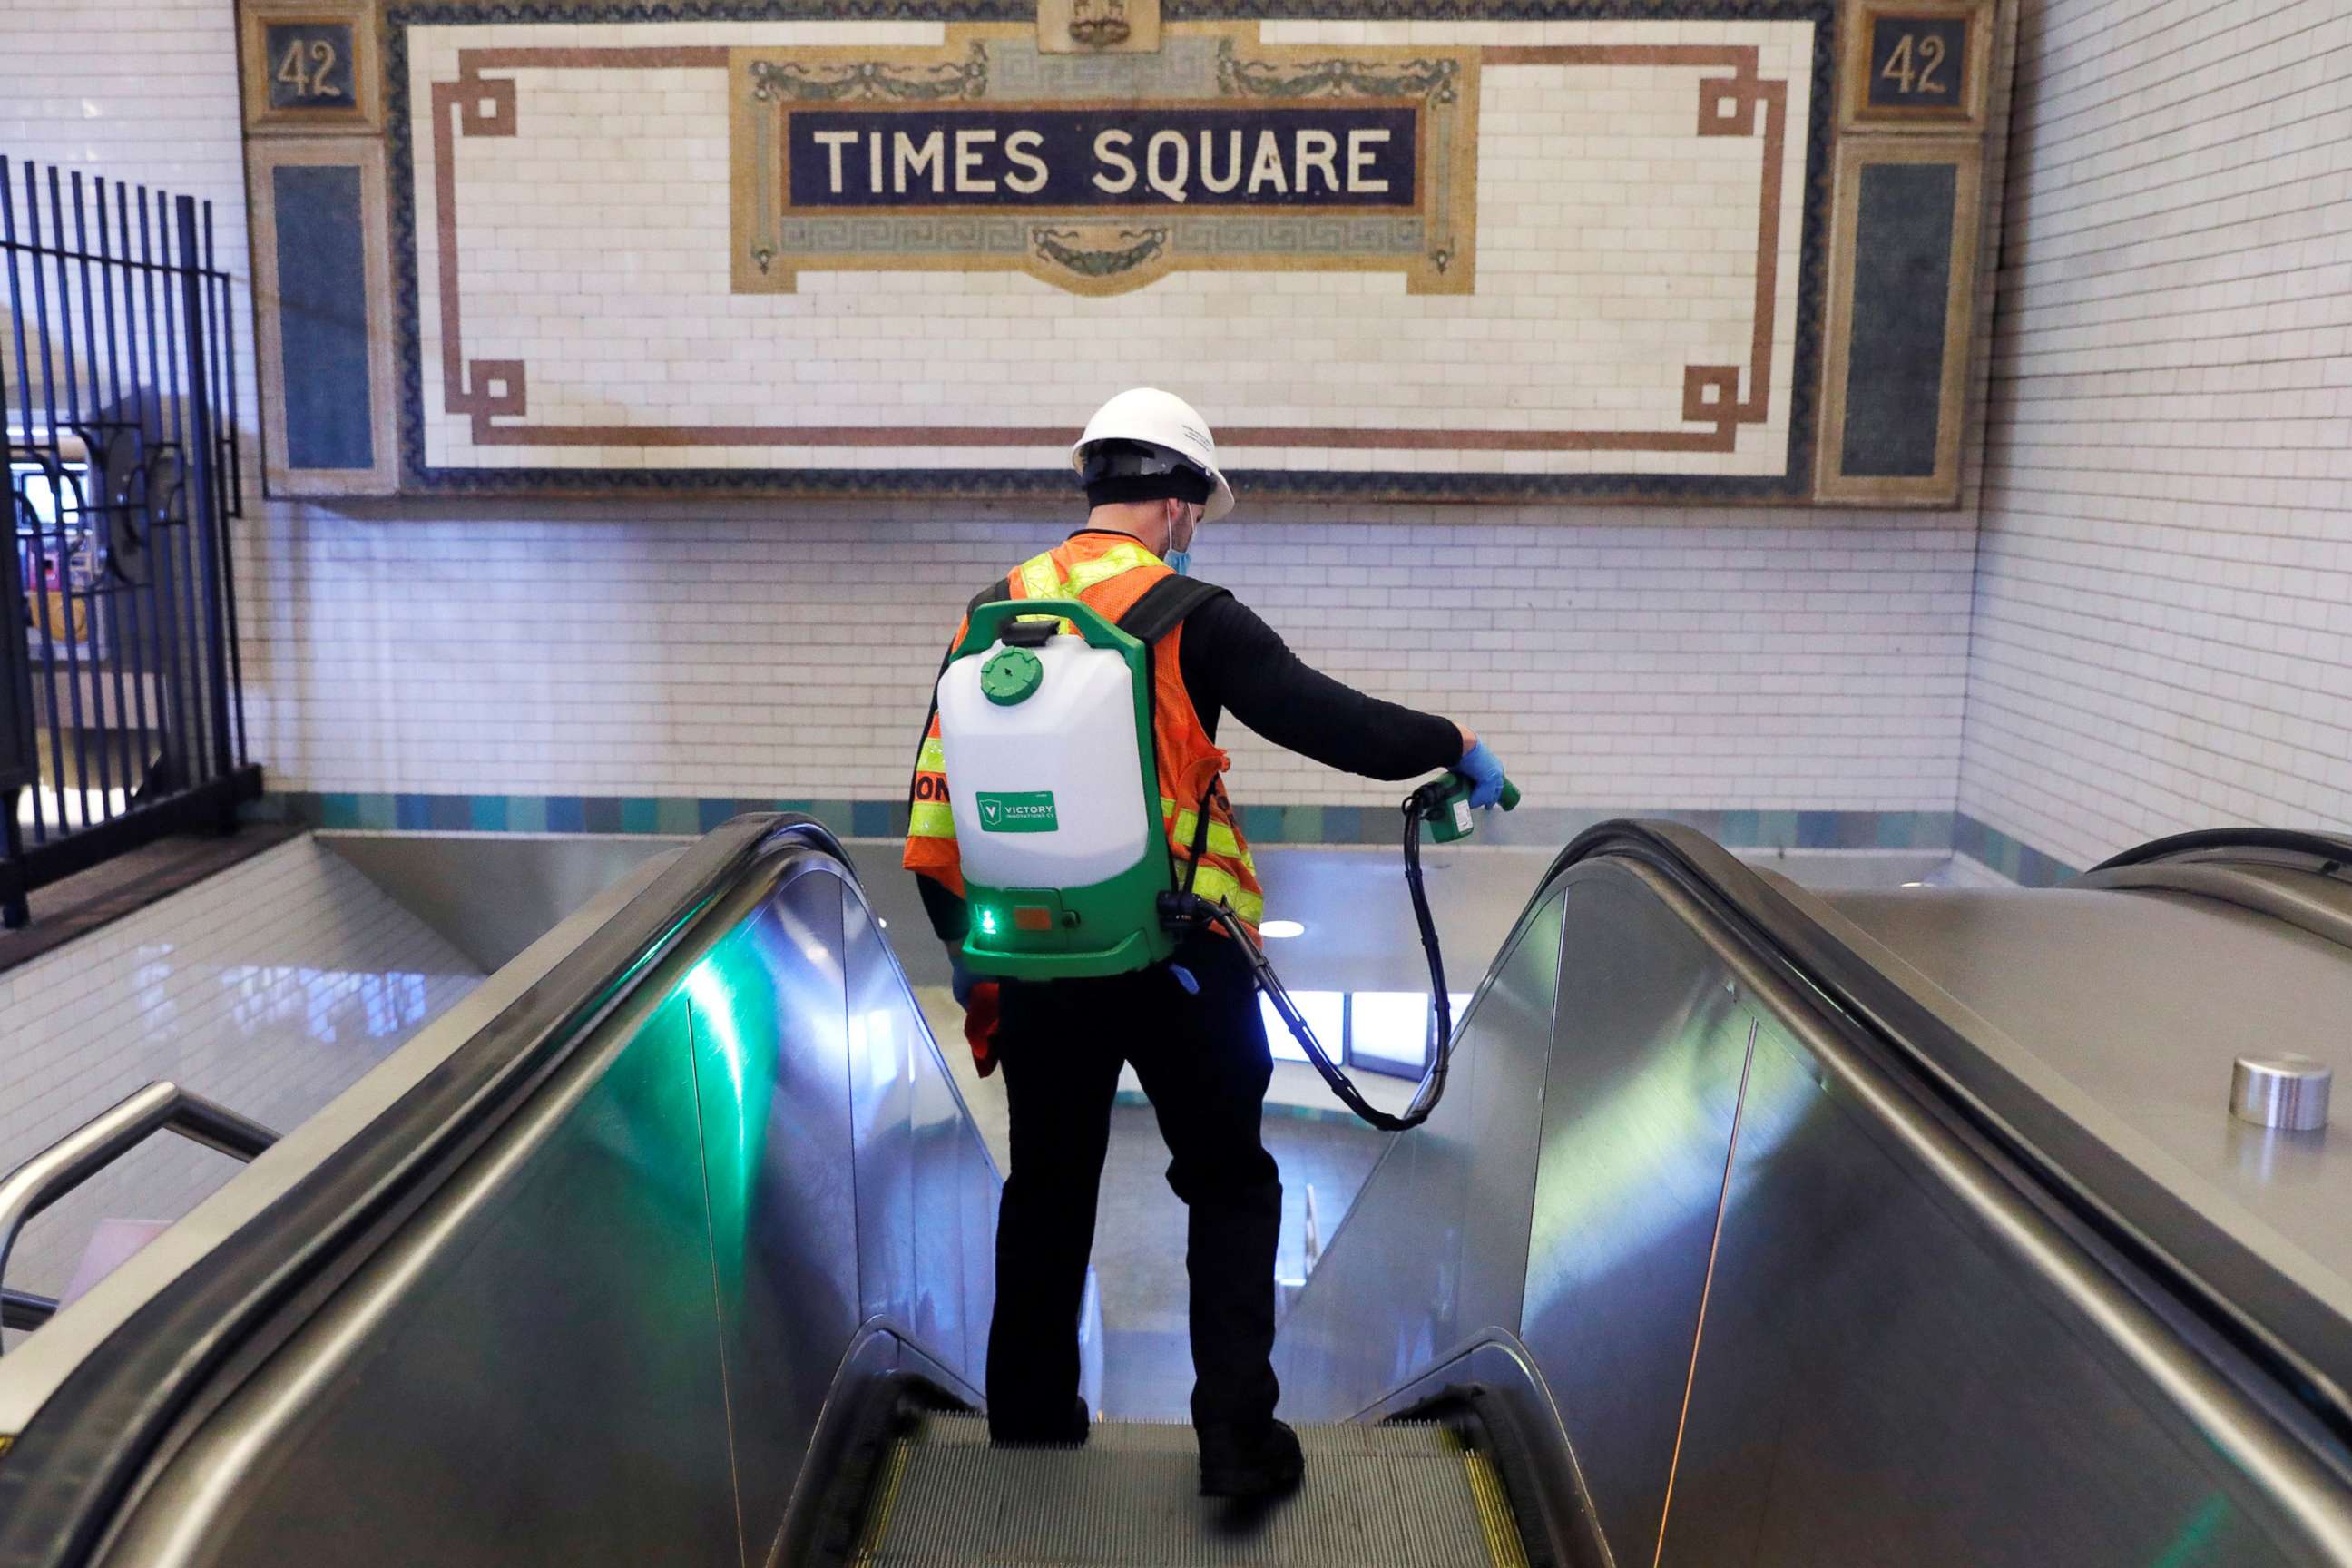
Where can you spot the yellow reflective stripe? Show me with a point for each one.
(1086, 575)
(1223, 888)
(930, 819)
(1111, 562)
(932, 758)
(1040, 579)
(1221, 841)
(1216, 886)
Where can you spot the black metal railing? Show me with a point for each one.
(121, 717)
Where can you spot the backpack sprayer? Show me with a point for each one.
(1057, 800)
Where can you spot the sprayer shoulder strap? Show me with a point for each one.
(1164, 606)
(1160, 610)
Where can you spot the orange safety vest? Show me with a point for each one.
(1109, 572)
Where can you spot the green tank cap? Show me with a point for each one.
(1013, 676)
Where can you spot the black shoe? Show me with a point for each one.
(1263, 1464)
(1070, 1434)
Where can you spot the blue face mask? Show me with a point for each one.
(1181, 561)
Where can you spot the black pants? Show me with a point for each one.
(1204, 1061)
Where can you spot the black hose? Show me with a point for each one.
(1417, 805)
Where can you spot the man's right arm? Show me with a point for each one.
(1232, 658)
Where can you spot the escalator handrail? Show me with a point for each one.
(2324, 847)
(1899, 1027)
(71, 1467)
(23, 1310)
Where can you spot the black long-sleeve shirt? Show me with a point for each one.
(1232, 662)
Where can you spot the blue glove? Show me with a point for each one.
(1484, 773)
(960, 979)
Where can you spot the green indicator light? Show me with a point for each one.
(988, 922)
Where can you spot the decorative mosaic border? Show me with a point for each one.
(1742, 105)
(1792, 484)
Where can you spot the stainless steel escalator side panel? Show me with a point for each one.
(2102, 1023)
(32, 1372)
(1905, 1345)
(926, 1186)
(439, 877)
(621, 1298)
(1433, 1249)
(772, 1024)
(1904, 1357)
(881, 1118)
(529, 1371)
(772, 1073)
(1648, 1053)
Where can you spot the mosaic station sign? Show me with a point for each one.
(1098, 192)
(1107, 158)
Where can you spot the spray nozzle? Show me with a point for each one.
(1444, 803)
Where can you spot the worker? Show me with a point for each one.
(1190, 1026)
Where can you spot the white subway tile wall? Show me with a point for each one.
(2163, 623)
(268, 988)
(1658, 658)
(1710, 665)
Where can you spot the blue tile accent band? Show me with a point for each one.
(2020, 862)
(685, 817)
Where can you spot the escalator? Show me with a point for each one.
(1754, 1227)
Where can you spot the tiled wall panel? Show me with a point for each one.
(1617, 250)
(1712, 665)
(2163, 623)
(268, 988)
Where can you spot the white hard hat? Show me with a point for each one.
(1163, 419)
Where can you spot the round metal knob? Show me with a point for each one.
(2286, 1091)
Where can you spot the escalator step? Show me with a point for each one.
(1430, 1495)
(1403, 1495)
(1342, 1437)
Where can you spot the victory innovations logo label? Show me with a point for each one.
(1022, 811)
